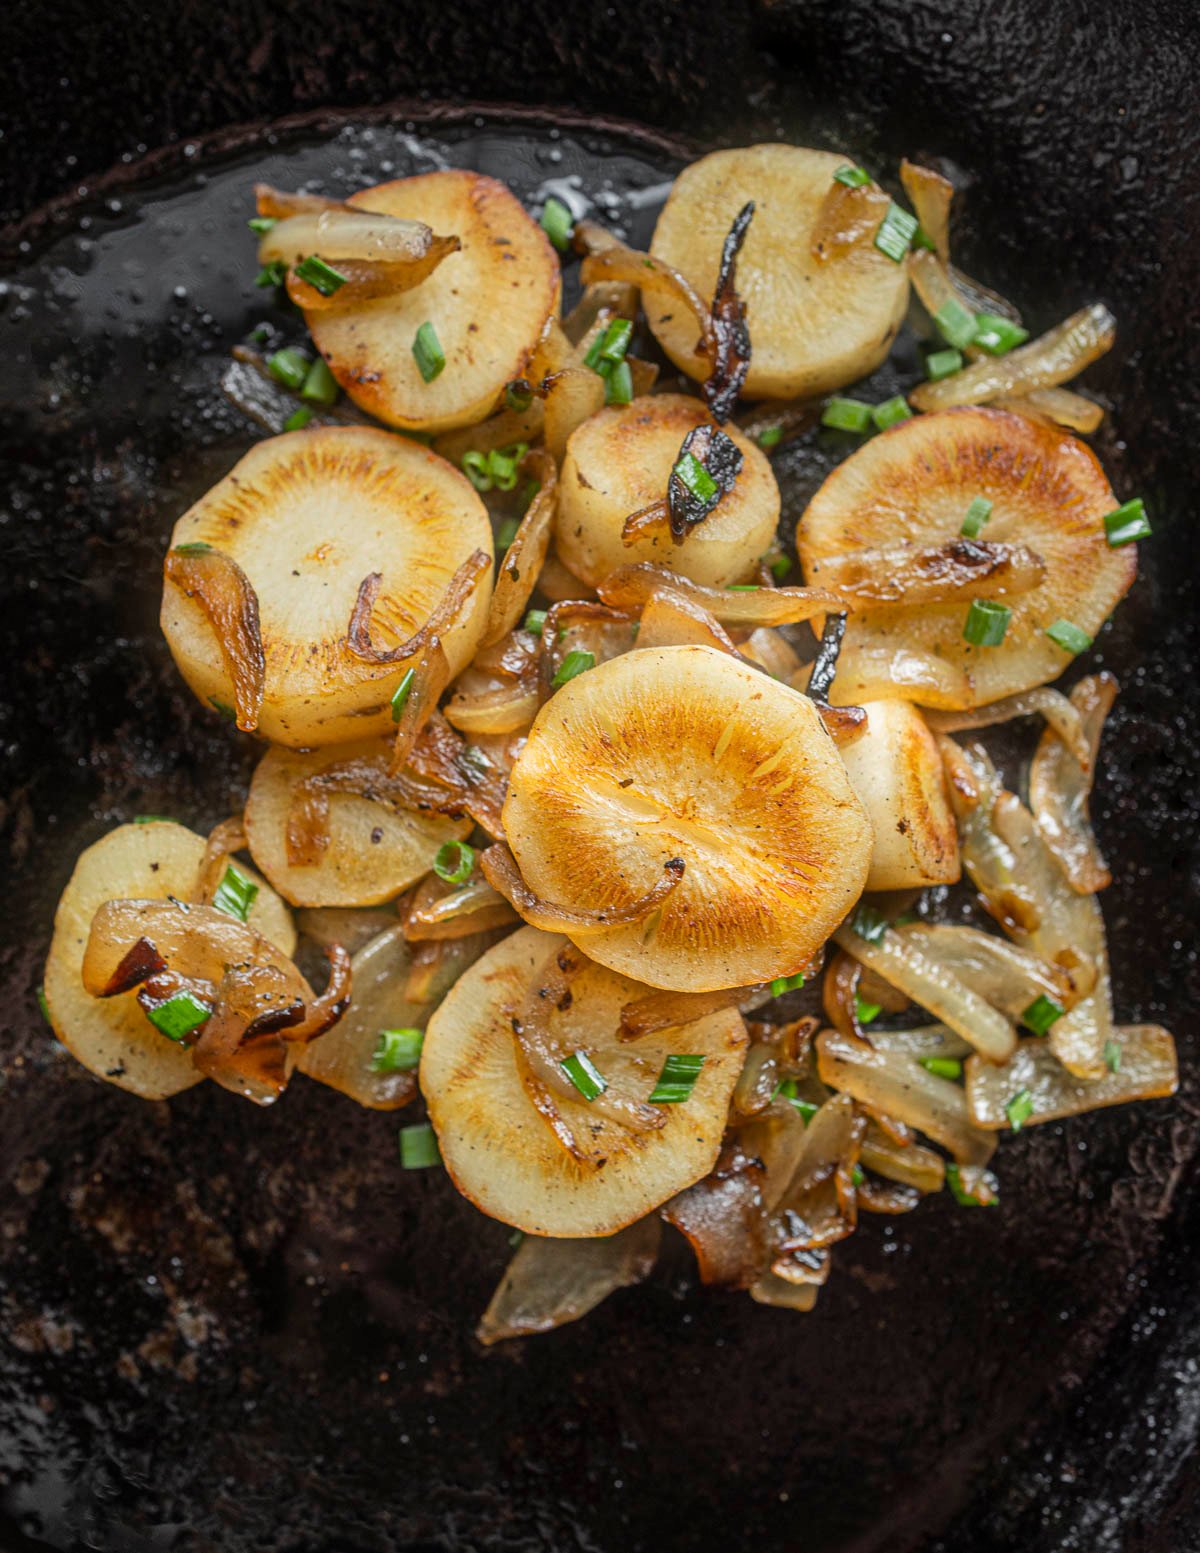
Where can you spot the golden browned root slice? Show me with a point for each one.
(1060, 714)
(1142, 1066)
(372, 835)
(1060, 781)
(551, 1282)
(912, 486)
(498, 1148)
(684, 754)
(222, 592)
(112, 1037)
(488, 306)
(306, 516)
(523, 560)
(896, 770)
(815, 321)
(629, 587)
(620, 460)
(934, 574)
(345, 1058)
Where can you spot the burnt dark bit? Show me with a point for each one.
(968, 1382)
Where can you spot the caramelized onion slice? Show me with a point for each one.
(931, 196)
(1060, 782)
(1007, 977)
(933, 574)
(666, 1010)
(724, 1219)
(609, 260)
(523, 560)
(453, 604)
(224, 840)
(1059, 406)
(630, 587)
(438, 963)
(501, 710)
(551, 1282)
(500, 869)
(448, 911)
(908, 1164)
(672, 619)
(1146, 1068)
(1059, 712)
(573, 396)
(307, 837)
(847, 219)
(223, 591)
(770, 1289)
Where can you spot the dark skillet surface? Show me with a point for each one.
(202, 1301)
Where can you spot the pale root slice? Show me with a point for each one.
(112, 1036)
(912, 486)
(488, 304)
(895, 767)
(686, 753)
(500, 1150)
(307, 516)
(815, 323)
(374, 849)
(620, 461)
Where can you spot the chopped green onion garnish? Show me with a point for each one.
(986, 623)
(289, 367)
(869, 924)
(515, 1239)
(998, 335)
(534, 621)
(956, 323)
(1041, 1014)
(419, 1147)
(866, 1012)
(153, 819)
(261, 224)
(942, 364)
(969, 1199)
(741, 587)
(235, 893)
(890, 412)
(1071, 638)
(942, 1067)
(506, 533)
(298, 419)
(780, 566)
(478, 470)
(320, 276)
(896, 232)
(178, 1015)
(677, 1079)
(1112, 1056)
(618, 386)
(558, 223)
(402, 692)
(583, 1073)
(1019, 1109)
(45, 1007)
(518, 396)
(427, 352)
(320, 385)
(770, 437)
(273, 274)
(788, 1089)
(196, 547)
(398, 1051)
(847, 414)
(1127, 523)
(783, 984)
(454, 862)
(616, 340)
(978, 513)
(852, 177)
(222, 709)
(576, 662)
(693, 474)
(856, 1175)
(922, 239)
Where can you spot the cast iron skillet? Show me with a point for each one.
(235, 1330)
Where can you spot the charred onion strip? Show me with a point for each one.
(1060, 783)
(523, 560)
(820, 680)
(501, 871)
(223, 591)
(720, 458)
(935, 574)
(472, 779)
(730, 356)
(629, 587)
(1061, 715)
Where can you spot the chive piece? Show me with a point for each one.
(770, 437)
(45, 1007)
(869, 924)
(177, 1016)
(783, 984)
(398, 1051)
(320, 385)
(896, 232)
(222, 709)
(891, 412)
(298, 419)
(922, 239)
(427, 352)
(320, 276)
(504, 463)
(618, 386)
(454, 862)
(942, 1067)
(478, 470)
(986, 623)
(1112, 1056)
(788, 1089)
(616, 340)
(998, 335)
(273, 274)
(1019, 1109)
(419, 1147)
(506, 533)
(576, 662)
(1041, 1014)
(1127, 523)
(153, 819)
(677, 1079)
(197, 547)
(261, 224)
(978, 513)
(956, 323)
(402, 692)
(940, 364)
(964, 1197)
(741, 587)
(518, 395)
(867, 1012)
(583, 1073)
(1071, 638)
(695, 477)
(515, 1239)
(852, 177)
(847, 414)
(558, 223)
(235, 893)
(289, 367)
(780, 566)
(856, 1175)
(534, 621)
